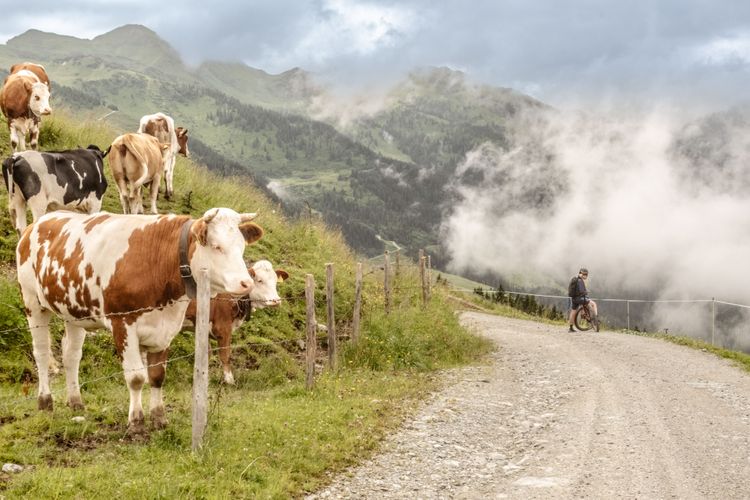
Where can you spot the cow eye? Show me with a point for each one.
(38, 98)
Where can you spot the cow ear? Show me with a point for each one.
(200, 231)
(27, 85)
(182, 131)
(251, 231)
(251, 272)
(282, 275)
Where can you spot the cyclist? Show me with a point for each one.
(579, 296)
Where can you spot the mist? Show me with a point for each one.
(652, 203)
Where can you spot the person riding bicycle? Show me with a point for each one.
(579, 296)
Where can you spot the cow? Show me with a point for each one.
(54, 180)
(125, 273)
(136, 160)
(33, 68)
(24, 99)
(228, 313)
(162, 127)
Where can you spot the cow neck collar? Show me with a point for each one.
(191, 287)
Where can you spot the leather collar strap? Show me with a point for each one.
(191, 287)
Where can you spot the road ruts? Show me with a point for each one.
(561, 415)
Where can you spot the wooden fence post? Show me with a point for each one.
(311, 344)
(398, 262)
(357, 303)
(422, 277)
(387, 281)
(429, 277)
(200, 370)
(331, 320)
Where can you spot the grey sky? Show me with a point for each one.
(697, 50)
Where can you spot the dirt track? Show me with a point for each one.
(570, 415)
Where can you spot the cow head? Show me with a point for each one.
(182, 140)
(220, 239)
(38, 98)
(264, 293)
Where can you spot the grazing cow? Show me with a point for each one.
(54, 180)
(33, 68)
(228, 313)
(136, 160)
(125, 273)
(24, 99)
(162, 127)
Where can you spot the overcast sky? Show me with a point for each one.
(694, 50)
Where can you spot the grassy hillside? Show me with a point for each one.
(267, 437)
(383, 175)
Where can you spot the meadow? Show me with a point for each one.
(267, 437)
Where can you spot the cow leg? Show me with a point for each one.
(168, 175)
(34, 136)
(39, 326)
(122, 188)
(136, 203)
(157, 371)
(72, 345)
(135, 377)
(15, 140)
(155, 183)
(38, 205)
(224, 336)
(17, 209)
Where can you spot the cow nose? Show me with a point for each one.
(246, 284)
(47, 111)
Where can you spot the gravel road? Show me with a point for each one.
(570, 415)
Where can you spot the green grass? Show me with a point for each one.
(267, 444)
(267, 436)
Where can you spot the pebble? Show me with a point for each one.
(12, 468)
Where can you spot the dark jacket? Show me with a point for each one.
(581, 296)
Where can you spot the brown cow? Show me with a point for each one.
(228, 313)
(24, 99)
(90, 270)
(136, 160)
(36, 69)
(162, 127)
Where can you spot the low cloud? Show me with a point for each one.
(635, 198)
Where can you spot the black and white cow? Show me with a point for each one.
(54, 180)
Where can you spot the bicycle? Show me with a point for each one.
(583, 319)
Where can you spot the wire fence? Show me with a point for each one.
(711, 325)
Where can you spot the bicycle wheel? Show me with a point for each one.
(583, 319)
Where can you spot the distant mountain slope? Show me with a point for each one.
(383, 174)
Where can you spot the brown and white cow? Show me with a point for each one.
(122, 272)
(162, 127)
(228, 313)
(24, 99)
(136, 160)
(33, 68)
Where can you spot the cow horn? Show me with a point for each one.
(209, 216)
(247, 217)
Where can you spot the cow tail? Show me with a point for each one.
(107, 152)
(137, 154)
(8, 175)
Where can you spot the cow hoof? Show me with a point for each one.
(136, 428)
(76, 403)
(44, 402)
(228, 379)
(158, 418)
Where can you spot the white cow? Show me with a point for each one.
(162, 127)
